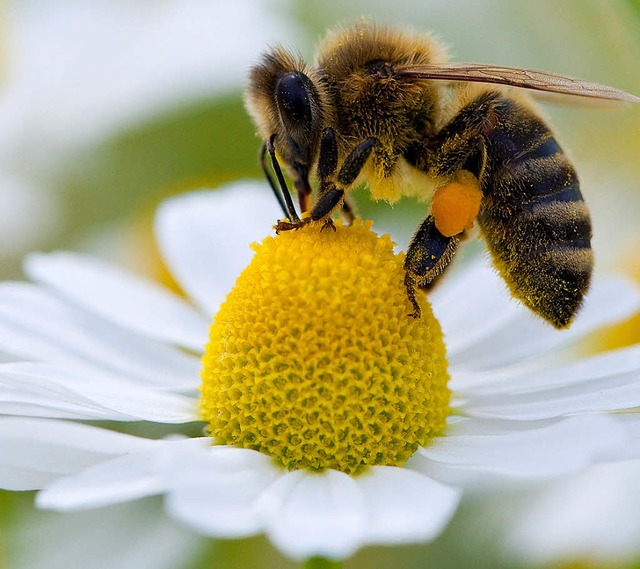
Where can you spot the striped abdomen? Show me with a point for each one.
(533, 217)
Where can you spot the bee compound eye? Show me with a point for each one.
(293, 98)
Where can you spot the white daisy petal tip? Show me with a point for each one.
(405, 506)
(120, 480)
(35, 453)
(333, 515)
(309, 514)
(215, 489)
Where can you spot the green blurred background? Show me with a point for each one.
(106, 108)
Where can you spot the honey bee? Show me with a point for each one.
(385, 107)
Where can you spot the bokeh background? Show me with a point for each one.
(109, 106)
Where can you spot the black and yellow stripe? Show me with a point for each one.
(533, 217)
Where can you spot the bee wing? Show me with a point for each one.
(516, 77)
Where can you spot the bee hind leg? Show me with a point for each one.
(428, 255)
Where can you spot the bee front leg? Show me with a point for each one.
(330, 193)
(330, 197)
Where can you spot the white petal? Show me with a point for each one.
(472, 305)
(601, 383)
(315, 514)
(404, 506)
(608, 301)
(34, 452)
(121, 479)
(606, 394)
(552, 449)
(630, 422)
(120, 297)
(204, 237)
(45, 390)
(37, 326)
(557, 374)
(216, 490)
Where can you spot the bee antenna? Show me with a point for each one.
(272, 185)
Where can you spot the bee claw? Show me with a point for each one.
(290, 225)
(410, 286)
(328, 223)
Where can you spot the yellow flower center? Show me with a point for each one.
(313, 359)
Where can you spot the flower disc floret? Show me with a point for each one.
(314, 359)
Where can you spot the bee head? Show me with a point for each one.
(285, 99)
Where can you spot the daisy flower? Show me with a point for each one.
(331, 419)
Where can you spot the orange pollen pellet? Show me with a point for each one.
(456, 205)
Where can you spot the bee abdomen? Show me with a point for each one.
(537, 225)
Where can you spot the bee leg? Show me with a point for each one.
(348, 211)
(327, 166)
(330, 197)
(428, 255)
(454, 208)
(330, 194)
(355, 161)
(291, 210)
(328, 157)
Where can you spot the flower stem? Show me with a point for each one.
(321, 563)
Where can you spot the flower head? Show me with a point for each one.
(335, 420)
(313, 360)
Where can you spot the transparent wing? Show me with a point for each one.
(525, 78)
